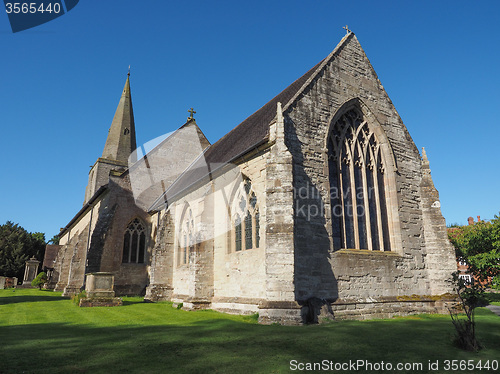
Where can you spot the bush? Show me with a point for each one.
(40, 280)
(76, 298)
(470, 296)
(495, 283)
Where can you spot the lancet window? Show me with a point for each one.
(246, 219)
(134, 242)
(357, 185)
(187, 237)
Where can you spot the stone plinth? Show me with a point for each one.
(99, 290)
(100, 285)
(31, 270)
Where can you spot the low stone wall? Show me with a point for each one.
(386, 307)
(158, 292)
(391, 307)
(96, 301)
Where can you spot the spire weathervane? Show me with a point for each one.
(191, 111)
(346, 28)
(128, 71)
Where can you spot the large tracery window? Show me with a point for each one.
(187, 237)
(134, 242)
(357, 185)
(246, 219)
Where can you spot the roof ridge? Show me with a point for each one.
(322, 64)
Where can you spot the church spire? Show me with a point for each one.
(121, 136)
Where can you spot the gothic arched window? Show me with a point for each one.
(357, 185)
(134, 242)
(187, 237)
(246, 219)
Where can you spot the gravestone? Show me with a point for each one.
(99, 290)
(2, 283)
(30, 271)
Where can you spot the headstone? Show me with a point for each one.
(2, 283)
(99, 290)
(100, 285)
(31, 270)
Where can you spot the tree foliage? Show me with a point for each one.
(16, 247)
(39, 280)
(479, 246)
(470, 296)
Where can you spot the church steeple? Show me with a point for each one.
(120, 145)
(121, 136)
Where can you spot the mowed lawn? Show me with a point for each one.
(40, 332)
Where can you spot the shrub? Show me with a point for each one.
(470, 296)
(495, 283)
(40, 280)
(76, 298)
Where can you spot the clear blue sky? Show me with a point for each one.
(61, 82)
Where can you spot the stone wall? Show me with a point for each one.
(440, 260)
(319, 271)
(239, 276)
(107, 239)
(281, 253)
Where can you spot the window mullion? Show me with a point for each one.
(377, 202)
(367, 208)
(342, 201)
(354, 201)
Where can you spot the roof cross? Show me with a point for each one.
(346, 28)
(191, 111)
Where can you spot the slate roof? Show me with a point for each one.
(51, 252)
(248, 135)
(252, 132)
(255, 128)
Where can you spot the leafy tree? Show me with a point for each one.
(40, 280)
(16, 247)
(54, 240)
(479, 246)
(470, 296)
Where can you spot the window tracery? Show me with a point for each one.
(246, 219)
(357, 185)
(134, 242)
(187, 237)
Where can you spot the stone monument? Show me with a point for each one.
(99, 290)
(30, 271)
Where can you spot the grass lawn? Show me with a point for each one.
(40, 332)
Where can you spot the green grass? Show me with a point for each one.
(40, 332)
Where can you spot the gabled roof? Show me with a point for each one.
(249, 134)
(255, 128)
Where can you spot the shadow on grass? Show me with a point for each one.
(127, 301)
(29, 298)
(226, 346)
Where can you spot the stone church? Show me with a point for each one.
(318, 201)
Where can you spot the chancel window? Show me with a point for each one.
(187, 237)
(134, 242)
(357, 185)
(246, 219)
